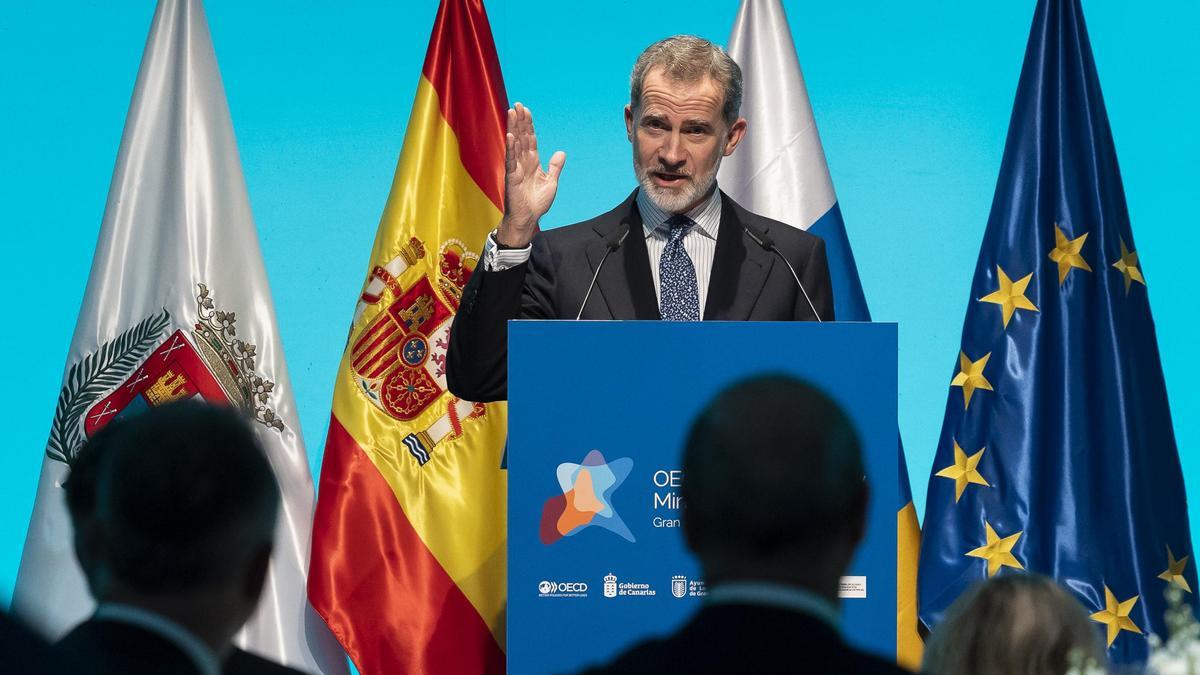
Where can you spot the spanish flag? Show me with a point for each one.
(408, 549)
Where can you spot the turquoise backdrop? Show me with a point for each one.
(912, 100)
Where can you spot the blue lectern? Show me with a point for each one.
(615, 399)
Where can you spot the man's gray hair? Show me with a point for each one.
(687, 58)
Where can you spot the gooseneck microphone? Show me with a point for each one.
(761, 238)
(611, 243)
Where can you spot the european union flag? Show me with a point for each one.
(1057, 453)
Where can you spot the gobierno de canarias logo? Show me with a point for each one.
(586, 498)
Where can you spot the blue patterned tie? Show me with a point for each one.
(679, 299)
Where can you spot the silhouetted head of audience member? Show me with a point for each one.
(1013, 624)
(774, 488)
(175, 512)
(80, 489)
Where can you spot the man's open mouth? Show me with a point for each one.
(667, 179)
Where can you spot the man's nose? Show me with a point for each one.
(672, 154)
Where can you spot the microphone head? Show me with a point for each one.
(760, 237)
(617, 236)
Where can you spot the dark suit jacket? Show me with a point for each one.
(22, 651)
(738, 638)
(115, 647)
(747, 283)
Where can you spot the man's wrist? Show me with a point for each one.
(497, 257)
(511, 236)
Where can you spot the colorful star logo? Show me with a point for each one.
(586, 499)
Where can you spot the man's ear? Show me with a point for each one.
(737, 131)
(629, 122)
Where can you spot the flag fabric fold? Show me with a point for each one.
(1057, 453)
(409, 565)
(779, 171)
(177, 306)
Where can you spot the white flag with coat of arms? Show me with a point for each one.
(177, 306)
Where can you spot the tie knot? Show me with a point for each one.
(678, 226)
(678, 221)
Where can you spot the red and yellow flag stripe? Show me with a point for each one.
(408, 559)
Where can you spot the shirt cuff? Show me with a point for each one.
(497, 260)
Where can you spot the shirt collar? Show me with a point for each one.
(201, 655)
(706, 214)
(769, 594)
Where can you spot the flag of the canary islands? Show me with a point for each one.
(1057, 453)
(779, 171)
(408, 561)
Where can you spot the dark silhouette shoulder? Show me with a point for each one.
(748, 639)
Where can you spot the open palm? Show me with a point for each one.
(528, 189)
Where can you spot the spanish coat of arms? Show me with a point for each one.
(398, 359)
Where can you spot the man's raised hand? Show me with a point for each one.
(528, 190)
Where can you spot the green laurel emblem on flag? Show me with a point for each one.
(93, 376)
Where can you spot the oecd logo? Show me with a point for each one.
(562, 589)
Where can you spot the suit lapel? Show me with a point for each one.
(739, 269)
(624, 282)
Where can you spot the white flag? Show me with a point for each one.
(779, 169)
(177, 305)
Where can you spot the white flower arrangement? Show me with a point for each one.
(1180, 654)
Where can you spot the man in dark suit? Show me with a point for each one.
(23, 651)
(676, 249)
(173, 514)
(776, 504)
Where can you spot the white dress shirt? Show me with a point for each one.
(202, 656)
(700, 242)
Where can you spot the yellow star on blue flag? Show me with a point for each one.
(1081, 467)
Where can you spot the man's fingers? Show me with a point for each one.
(520, 111)
(523, 144)
(527, 120)
(556, 164)
(530, 137)
(516, 129)
(510, 154)
(521, 147)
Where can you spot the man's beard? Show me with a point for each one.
(676, 200)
